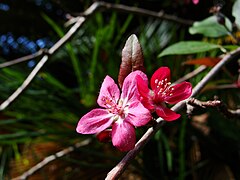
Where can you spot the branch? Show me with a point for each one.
(192, 103)
(22, 59)
(191, 74)
(51, 158)
(116, 172)
(138, 11)
(229, 113)
(203, 104)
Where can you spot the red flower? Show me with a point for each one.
(162, 92)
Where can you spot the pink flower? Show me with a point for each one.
(162, 92)
(195, 1)
(122, 113)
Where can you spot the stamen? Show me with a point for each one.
(108, 102)
(156, 81)
(163, 88)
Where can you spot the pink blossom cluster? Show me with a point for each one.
(122, 112)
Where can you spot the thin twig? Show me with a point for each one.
(191, 74)
(192, 103)
(22, 59)
(51, 158)
(222, 86)
(116, 172)
(229, 113)
(203, 104)
(138, 11)
(235, 113)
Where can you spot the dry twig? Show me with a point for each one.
(191, 74)
(203, 104)
(51, 158)
(135, 10)
(23, 59)
(192, 102)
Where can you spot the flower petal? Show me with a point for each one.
(145, 93)
(195, 1)
(180, 92)
(166, 113)
(142, 86)
(129, 89)
(95, 121)
(138, 115)
(161, 74)
(105, 136)
(110, 91)
(123, 136)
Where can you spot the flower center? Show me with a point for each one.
(113, 107)
(163, 89)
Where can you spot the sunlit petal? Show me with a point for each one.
(123, 136)
(95, 121)
(161, 74)
(138, 115)
(129, 89)
(109, 92)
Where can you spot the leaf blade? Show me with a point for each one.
(235, 12)
(188, 47)
(210, 27)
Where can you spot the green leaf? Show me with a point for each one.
(235, 12)
(188, 47)
(210, 27)
(230, 47)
